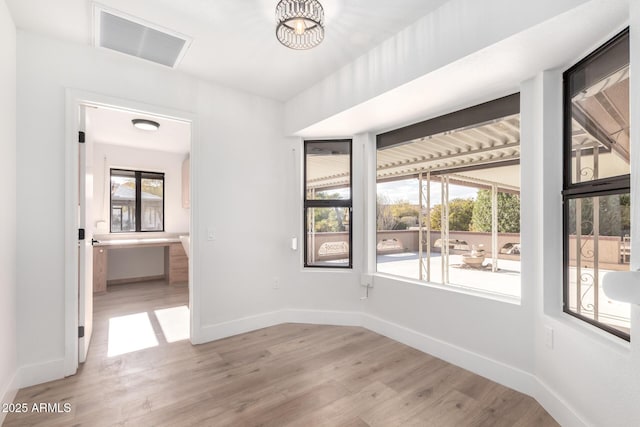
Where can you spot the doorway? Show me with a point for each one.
(144, 176)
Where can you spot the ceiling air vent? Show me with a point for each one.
(127, 34)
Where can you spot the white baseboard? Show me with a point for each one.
(558, 407)
(9, 393)
(251, 323)
(41, 373)
(323, 317)
(492, 369)
(502, 373)
(239, 326)
(497, 371)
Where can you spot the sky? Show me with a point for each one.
(407, 190)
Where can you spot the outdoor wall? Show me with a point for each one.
(139, 262)
(8, 289)
(238, 171)
(409, 239)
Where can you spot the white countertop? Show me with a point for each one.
(135, 240)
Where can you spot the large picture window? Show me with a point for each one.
(327, 203)
(448, 199)
(137, 201)
(596, 194)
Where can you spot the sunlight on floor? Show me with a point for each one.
(174, 322)
(130, 333)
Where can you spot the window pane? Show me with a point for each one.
(600, 115)
(328, 166)
(448, 205)
(123, 203)
(466, 256)
(327, 232)
(152, 204)
(599, 242)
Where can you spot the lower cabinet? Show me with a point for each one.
(176, 264)
(99, 269)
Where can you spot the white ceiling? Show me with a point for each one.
(234, 40)
(110, 126)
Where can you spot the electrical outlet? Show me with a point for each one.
(548, 337)
(276, 283)
(211, 234)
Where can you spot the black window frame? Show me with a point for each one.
(620, 184)
(138, 175)
(328, 203)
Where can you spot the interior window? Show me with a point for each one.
(137, 201)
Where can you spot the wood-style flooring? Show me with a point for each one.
(286, 375)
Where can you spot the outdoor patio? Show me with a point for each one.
(504, 282)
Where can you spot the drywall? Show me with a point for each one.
(440, 38)
(593, 372)
(139, 262)
(132, 263)
(8, 314)
(237, 184)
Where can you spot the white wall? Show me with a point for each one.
(8, 339)
(139, 262)
(588, 377)
(238, 174)
(249, 175)
(442, 37)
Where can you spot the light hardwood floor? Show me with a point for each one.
(286, 375)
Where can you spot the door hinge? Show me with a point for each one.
(81, 137)
(80, 331)
(81, 234)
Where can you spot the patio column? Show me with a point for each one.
(444, 226)
(425, 204)
(494, 227)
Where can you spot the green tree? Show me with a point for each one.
(508, 212)
(460, 213)
(614, 213)
(384, 216)
(403, 208)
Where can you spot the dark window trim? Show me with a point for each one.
(565, 283)
(481, 113)
(614, 49)
(621, 40)
(138, 175)
(324, 203)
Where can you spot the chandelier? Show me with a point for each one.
(300, 23)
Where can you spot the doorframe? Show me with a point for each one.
(73, 99)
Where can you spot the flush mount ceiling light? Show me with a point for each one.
(145, 124)
(300, 23)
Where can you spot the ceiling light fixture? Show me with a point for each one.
(300, 23)
(145, 124)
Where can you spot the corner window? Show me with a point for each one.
(448, 199)
(596, 195)
(327, 203)
(137, 201)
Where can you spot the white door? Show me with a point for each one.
(85, 248)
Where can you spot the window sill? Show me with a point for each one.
(455, 288)
(340, 270)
